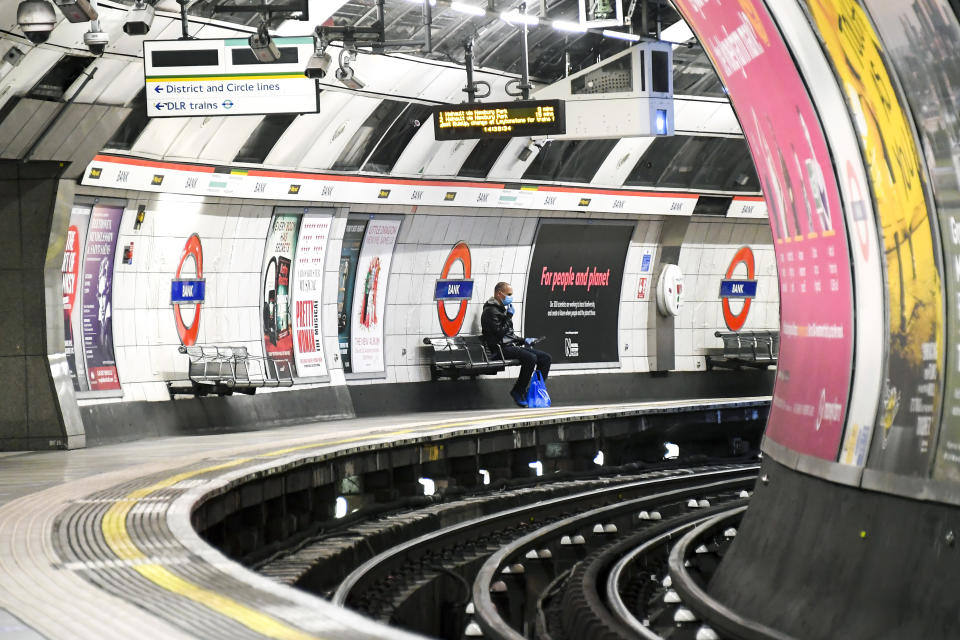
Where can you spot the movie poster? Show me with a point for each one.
(806, 219)
(97, 305)
(349, 257)
(912, 382)
(275, 296)
(370, 296)
(573, 290)
(70, 276)
(921, 39)
(311, 255)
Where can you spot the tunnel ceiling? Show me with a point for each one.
(381, 131)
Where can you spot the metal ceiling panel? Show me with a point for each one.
(302, 139)
(157, 136)
(116, 82)
(509, 166)
(620, 161)
(23, 124)
(32, 67)
(330, 143)
(448, 157)
(231, 133)
(193, 137)
(301, 136)
(72, 125)
(420, 152)
(705, 116)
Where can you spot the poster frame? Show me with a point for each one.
(91, 201)
(572, 366)
(871, 333)
(331, 212)
(374, 375)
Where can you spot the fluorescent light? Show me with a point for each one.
(621, 35)
(563, 25)
(469, 9)
(514, 17)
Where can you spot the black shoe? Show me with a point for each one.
(518, 398)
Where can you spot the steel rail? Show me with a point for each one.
(493, 522)
(709, 609)
(487, 615)
(616, 604)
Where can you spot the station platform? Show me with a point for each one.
(98, 543)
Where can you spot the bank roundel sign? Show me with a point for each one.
(742, 289)
(449, 290)
(189, 288)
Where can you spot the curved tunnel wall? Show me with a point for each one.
(359, 357)
(874, 85)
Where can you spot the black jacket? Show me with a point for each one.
(497, 325)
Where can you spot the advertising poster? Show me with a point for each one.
(370, 296)
(573, 290)
(70, 275)
(349, 257)
(806, 218)
(912, 382)
(921, 39)
(311, 255)
(97, 309)
(276, 295)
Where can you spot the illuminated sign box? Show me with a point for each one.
(499, 120)
(223, 78)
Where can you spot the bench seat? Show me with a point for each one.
(759, 349)
(451, 357)
(223, 370)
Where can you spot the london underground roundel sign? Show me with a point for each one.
(731, 289)
(454, 290)
(186, 290)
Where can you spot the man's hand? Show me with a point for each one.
(529, 341)
(510, 309)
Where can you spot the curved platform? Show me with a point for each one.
(99, 542)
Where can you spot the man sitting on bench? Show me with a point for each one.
(497, 324)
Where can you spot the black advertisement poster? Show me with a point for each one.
(573, 290)
(349, 256)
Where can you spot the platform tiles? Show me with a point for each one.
(114, 555)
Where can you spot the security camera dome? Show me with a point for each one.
(96, 41)
(36, 19)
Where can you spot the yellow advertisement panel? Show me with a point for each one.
(912, 384)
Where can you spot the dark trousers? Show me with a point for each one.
(528, 357)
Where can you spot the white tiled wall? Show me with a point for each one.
(233, 234)
(708, 248)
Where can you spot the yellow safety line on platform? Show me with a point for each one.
(114, 527)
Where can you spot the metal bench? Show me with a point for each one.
(224, 370)
(464, 355)
(745, 349)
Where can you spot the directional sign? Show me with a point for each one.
(223, 78)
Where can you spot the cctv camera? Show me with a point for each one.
(96, 41)
(318, 66)
(263, 46)
(77, 10)
(139, 19)
(345, 75)
(36, 19)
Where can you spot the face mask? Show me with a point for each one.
(508, 300)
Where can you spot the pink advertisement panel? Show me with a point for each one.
(794, 165)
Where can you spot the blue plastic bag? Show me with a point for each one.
(537, 396)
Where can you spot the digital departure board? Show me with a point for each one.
(499, 120)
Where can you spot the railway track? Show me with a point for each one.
(489, 575)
